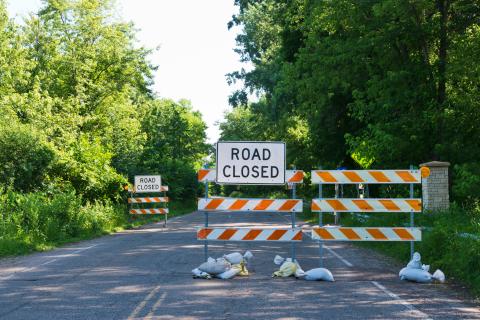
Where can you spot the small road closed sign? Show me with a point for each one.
(247, 162)
(148, 184)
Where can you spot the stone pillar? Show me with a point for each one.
(435, 187)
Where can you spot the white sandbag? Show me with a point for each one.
(415, 275)
(319, 274)
(229, 273)
(299, 271)
(416, 262)
(439, 276)
(417, 272)
(234, 258)
(278, 260)
(215, 266)
(247, 256)
(197, 273)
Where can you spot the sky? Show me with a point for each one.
(195, 48)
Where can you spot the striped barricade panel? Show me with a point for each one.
(207, 175)
(149, 211)
(294, 176)
(148, 200)
(210, 175)
(255, 205)
(366, 234)
(365, 176)
(366, 205)
(249, 234)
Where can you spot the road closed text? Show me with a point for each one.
(251, 162)
(148, 183)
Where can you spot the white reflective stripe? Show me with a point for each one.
(264, 235)
(367, 176)
(366, 205)
(238, 236)
(215, 234)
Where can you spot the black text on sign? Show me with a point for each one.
(147, 184)
(251, 162)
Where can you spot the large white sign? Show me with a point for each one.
(250, 162)
(147, 184)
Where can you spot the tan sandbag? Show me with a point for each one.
(287, 269)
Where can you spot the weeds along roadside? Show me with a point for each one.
(39, 221)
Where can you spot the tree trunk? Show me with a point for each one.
(442, 51)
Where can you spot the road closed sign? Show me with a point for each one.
(148, 184)
(250, 162)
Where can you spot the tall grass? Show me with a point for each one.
(39, 221)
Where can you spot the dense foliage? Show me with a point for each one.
(371, 84)
(363, 83)
(79, 119)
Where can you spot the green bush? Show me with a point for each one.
(466, 186)
(33, 220)
(25, 156)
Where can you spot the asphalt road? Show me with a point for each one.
(146, 274)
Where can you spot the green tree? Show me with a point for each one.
(175, 146)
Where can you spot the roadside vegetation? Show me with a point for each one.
(78, 121)
(370, 84)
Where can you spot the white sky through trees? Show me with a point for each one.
(196, 48)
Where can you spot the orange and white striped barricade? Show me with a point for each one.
(361, 177)
(366, 176)
(250, 234)
(210, 175)
(366, 205)
(149, 211)
(148, 200)
(137, 204)
(219, 204)
(253, 205)
(366, 234)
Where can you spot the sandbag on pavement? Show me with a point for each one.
(229, 273)
(287, 269)
(237, 257)
(215, 266)
(197, 273)
(299, 273)
(417, 272)
(234, 257)
(319, 274)
(420, 275)
(278, 260)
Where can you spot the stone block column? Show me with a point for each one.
(435, 187)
